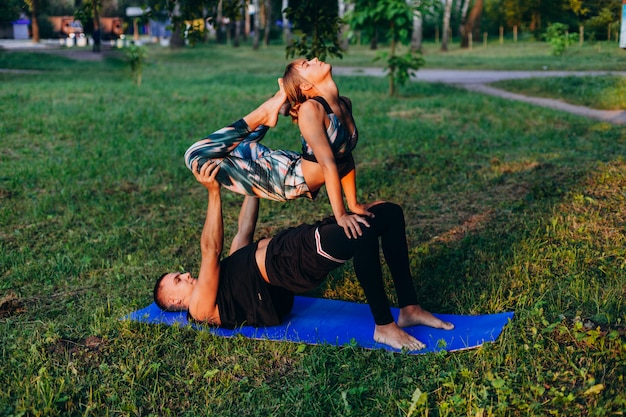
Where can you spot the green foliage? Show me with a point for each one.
(315, 29)
(10, 9)
(136, 56)
(401, 68)
(558, 36)
(396, 17)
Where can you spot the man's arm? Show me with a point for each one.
(246, 224)
(203, 300)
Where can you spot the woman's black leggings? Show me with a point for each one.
(390, 227)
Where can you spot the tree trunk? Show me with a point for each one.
(472, 25)
(392, 79)
(374, 40)
(177, 40)
(286, 30)
(345, 28)
(96, 26)
(446, 25)
(34, 22)
(236, 25)
(463, 29)
(256, 40)
(268, 21)
(417, 36)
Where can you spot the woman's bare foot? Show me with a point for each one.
(414, 315)
(267, 113)
(391, 335)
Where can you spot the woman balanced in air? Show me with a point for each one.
(328, 136)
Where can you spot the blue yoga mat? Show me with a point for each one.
(320, 321)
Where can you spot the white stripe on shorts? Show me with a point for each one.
(320, 251)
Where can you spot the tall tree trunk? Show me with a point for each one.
(418, 32)
(374, 40)
(34, 22)
(268, 21)
(236, 26)
(392, 78)
(473, 20)
(446, 25)
(345, 28)
(177, 40)
(463, 29)
(286, 30)
(256, 40)
(96, 26)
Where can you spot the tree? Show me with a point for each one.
(417, 35)
(10, 9)
(286, 24)
(33, 7)
(447, 11)
(267, 13)
(90, 11)
(363, 18)
(256, 40)
(471, 23)
(315, 29)
(396, 17)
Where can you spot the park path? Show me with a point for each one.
(478, 80)
(472, 80)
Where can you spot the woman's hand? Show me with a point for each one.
(350, 224)
(207, 174)
(363, 209)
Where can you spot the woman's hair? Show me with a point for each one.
(291, 84)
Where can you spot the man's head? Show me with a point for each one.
(172, 291)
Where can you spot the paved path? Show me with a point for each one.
(477, 80)
(473, 80)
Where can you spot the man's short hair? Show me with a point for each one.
(156, 293)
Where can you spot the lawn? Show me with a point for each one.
(509, 207)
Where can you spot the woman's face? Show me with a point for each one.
(313, 70)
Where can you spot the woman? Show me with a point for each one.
(329, 135)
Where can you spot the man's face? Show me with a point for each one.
(176, 287)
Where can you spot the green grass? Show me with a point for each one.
(509, 207)
(598, 92)
(529, 56)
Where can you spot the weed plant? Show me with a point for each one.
(509, 207)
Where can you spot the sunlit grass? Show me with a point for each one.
(509, 207)
(598, 92)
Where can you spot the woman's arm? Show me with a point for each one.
(310, 121)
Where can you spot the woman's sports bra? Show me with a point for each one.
(340, 140)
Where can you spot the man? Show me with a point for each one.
(256, 282)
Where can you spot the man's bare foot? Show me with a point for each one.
(415, 315)
(391, 335)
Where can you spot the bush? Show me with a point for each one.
(558, 36)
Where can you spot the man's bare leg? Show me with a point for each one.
(267, 113)
(415, 315)
(392, 335)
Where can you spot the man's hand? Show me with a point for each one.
(207, 174)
